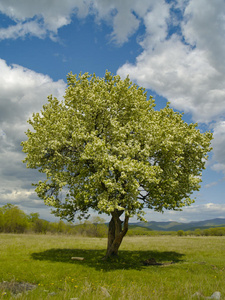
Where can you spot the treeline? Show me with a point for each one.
(14, 220)
(215, 231)
(138, 230)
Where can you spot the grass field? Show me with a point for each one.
(45, 262)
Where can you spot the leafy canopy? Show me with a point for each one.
(108, 149)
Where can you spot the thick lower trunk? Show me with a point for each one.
(116, 233)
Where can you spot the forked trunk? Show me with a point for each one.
(116, 233)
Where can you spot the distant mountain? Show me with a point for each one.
(175, 226)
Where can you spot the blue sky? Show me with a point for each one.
(175, 49)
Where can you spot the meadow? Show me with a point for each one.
(43, 264)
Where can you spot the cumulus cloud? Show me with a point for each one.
(21, 30)
(126, 16)
(206, 30)
(40, 18)
(186, 69)
(181, 75)
(44, 18)
(22, 92)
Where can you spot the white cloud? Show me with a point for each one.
(156, 24)
(211, 184)
(204, 27)
(28, 202)
(126, 16)
(44, 18)
(181, 75)
(40, 18)
(22, 92)
(191, 76)
(17, 196)
(22, 30)
(208, 207)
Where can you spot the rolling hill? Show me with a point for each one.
(175, 226)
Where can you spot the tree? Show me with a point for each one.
(105, 147)
(40, 226)
(15, 220)
(32, 217)
(180, 232)
(1, 220)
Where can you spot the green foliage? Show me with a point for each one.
(197, 232)
(105, 147)
(90, 229)
(13, 219)
(1, 220)
(32, 217)
(40, 226)
(216, 231)
(219, 231)
(137, 230)
(180, 232)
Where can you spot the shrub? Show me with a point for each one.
(180, 232)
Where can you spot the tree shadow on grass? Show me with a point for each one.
(94, 258)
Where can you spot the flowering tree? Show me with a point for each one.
(108, 149)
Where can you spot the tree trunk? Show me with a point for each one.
(116, 233)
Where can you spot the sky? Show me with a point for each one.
(175, 49)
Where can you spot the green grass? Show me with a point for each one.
(45, 261)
